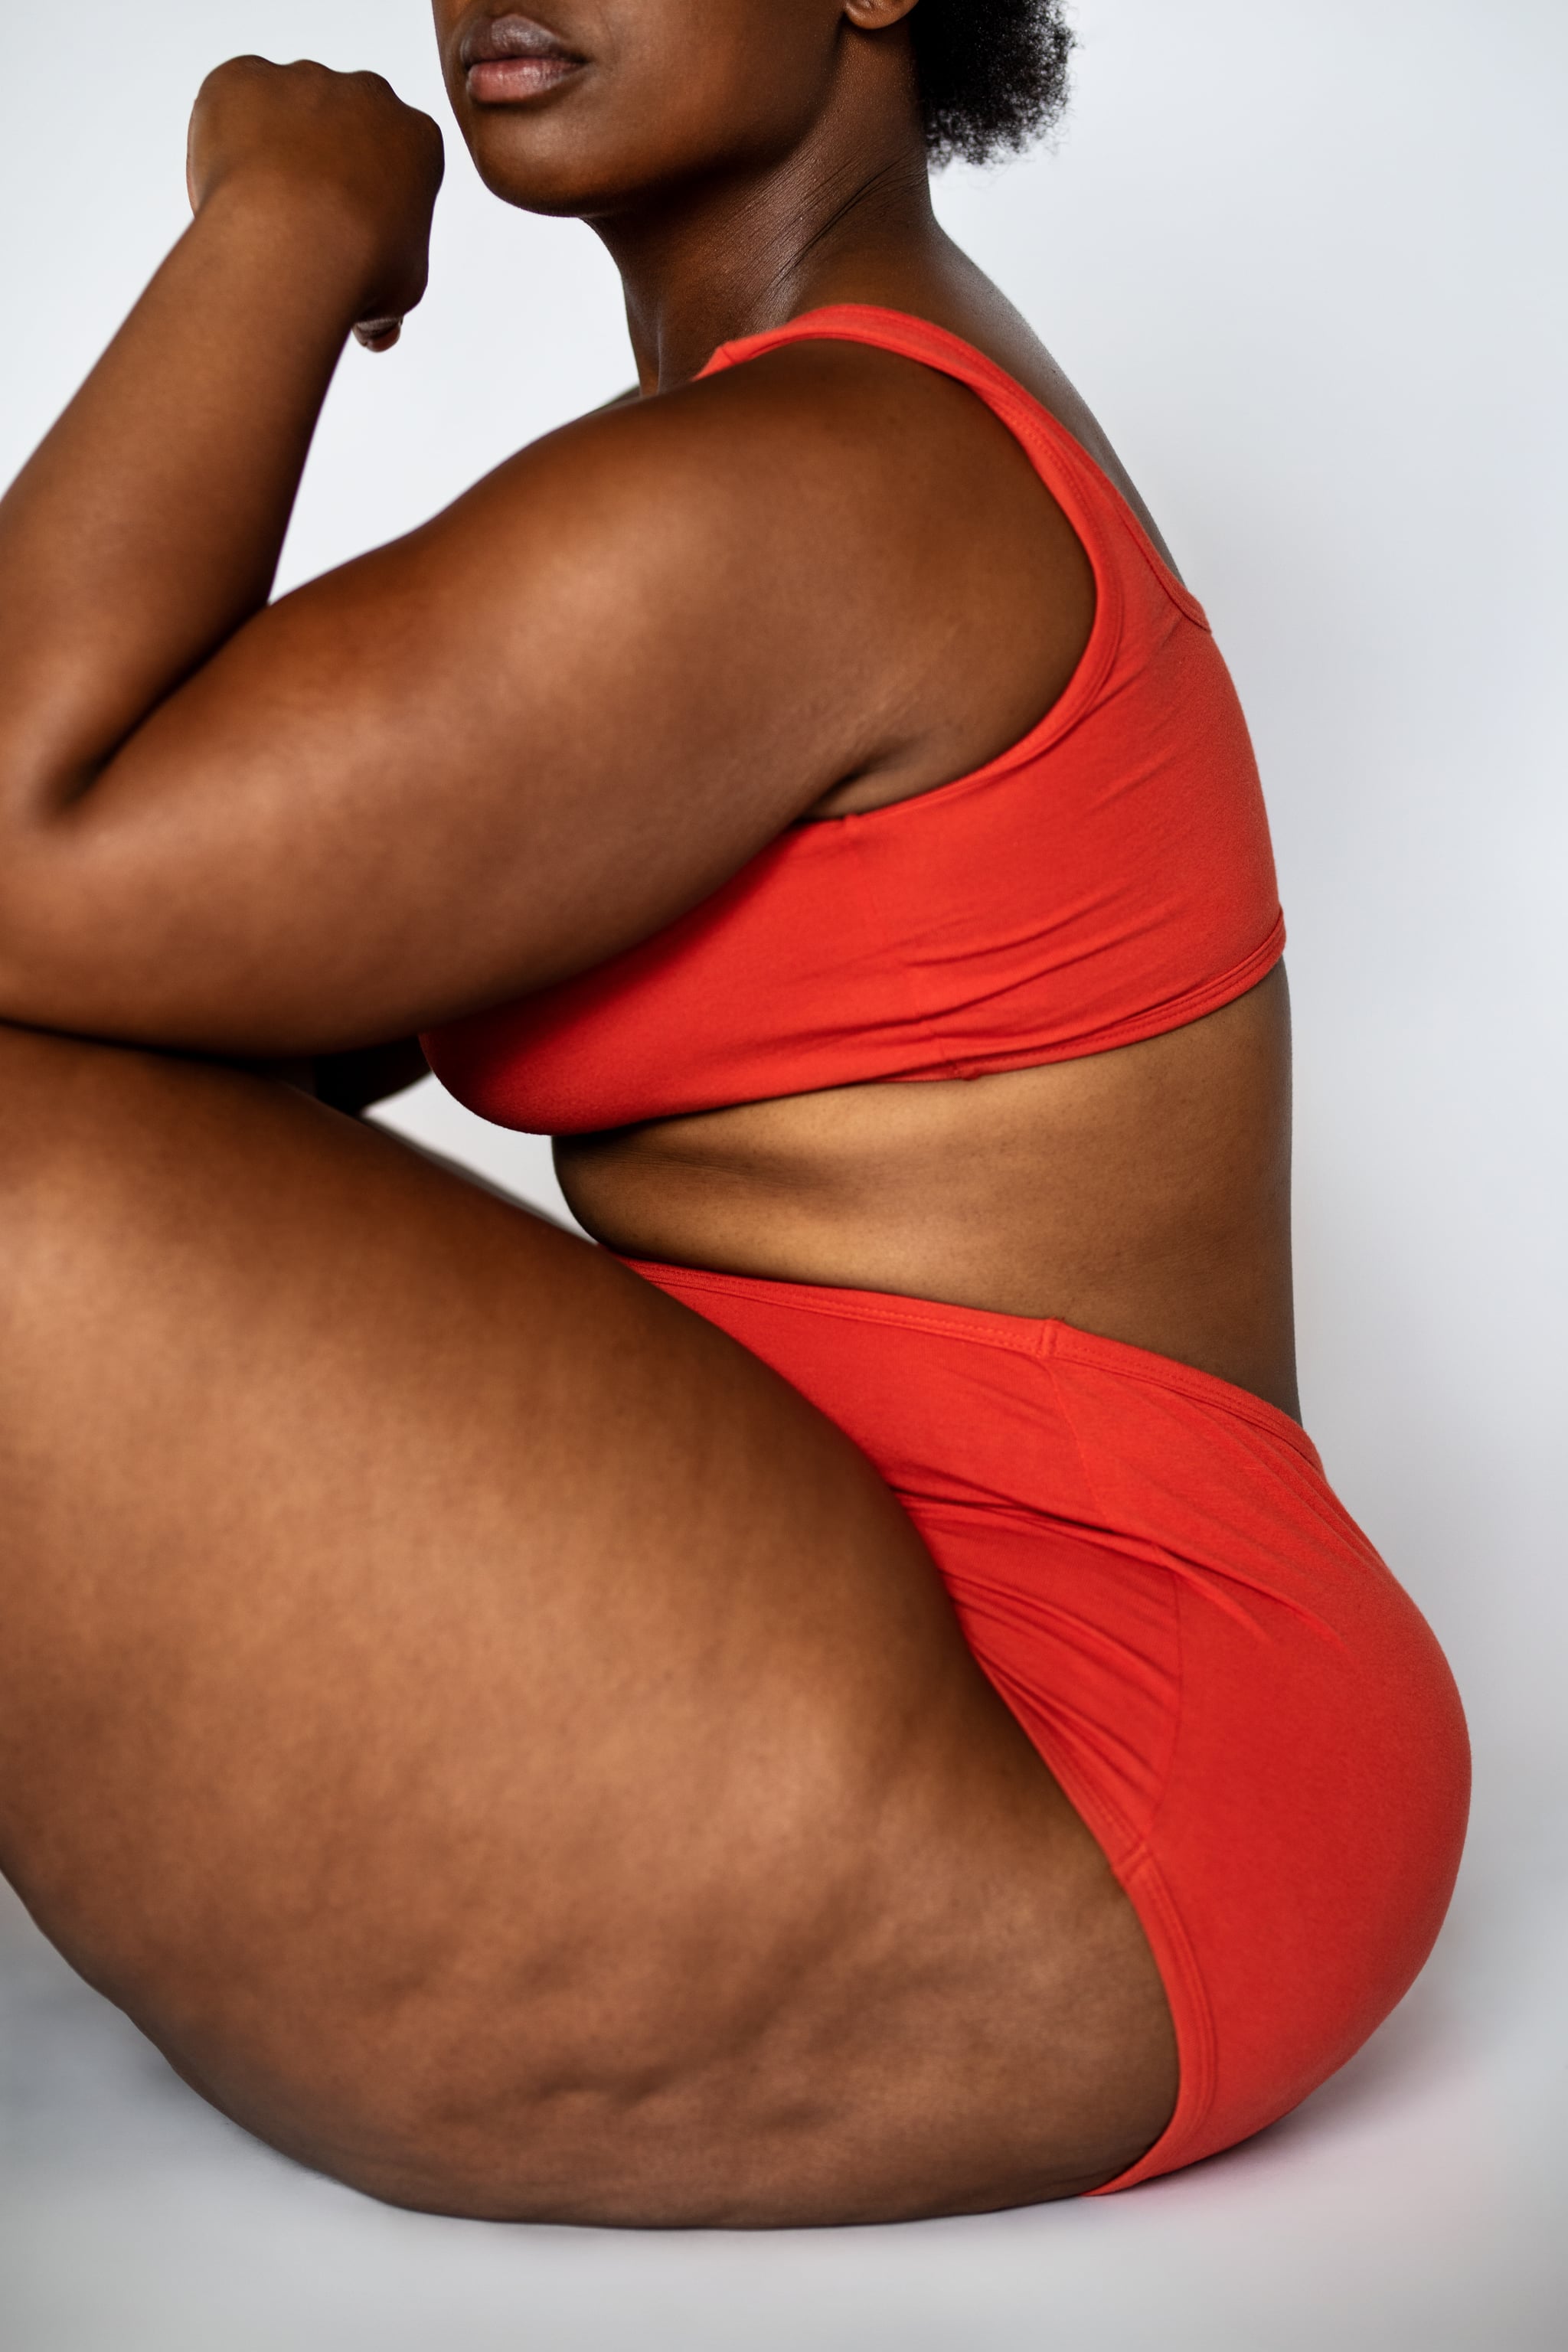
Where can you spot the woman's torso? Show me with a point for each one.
(1141, 1192)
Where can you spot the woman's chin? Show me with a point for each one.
(539, 163)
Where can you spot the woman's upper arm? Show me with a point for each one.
(486, 756)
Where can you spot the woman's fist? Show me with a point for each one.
(348, 139)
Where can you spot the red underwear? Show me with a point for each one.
(1250, 1716)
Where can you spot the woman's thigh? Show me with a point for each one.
(506, 1747)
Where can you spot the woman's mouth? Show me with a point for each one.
(511, 58)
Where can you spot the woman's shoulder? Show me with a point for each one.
(849, 408)
(843, 456)
(846, 445)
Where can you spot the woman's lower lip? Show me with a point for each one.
(501, 81)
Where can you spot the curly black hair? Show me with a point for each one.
(992, 74)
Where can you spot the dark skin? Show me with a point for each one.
(507, 1749)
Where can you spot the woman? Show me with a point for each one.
(853, 1700)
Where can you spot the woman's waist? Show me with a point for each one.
(1002, 1195)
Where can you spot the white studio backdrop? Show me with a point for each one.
(1305, 257)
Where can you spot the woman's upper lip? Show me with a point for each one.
(495, 38)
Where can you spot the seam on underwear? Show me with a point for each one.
(1136, 1872)
(1162, 1556)
(1108, 1520)
(1196, 2036)
(1196, 2047)
(1257, 1413)
(760, 1286)
(1041, 1337)
(1197, 2067)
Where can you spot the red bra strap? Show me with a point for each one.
(1081, 487)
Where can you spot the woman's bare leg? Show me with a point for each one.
(504, 1746)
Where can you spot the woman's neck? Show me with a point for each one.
(845, 216)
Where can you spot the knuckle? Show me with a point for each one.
(233, 70)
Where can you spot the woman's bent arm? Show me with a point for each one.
(147, 528)
(512, 744)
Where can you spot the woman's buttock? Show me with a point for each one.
(1149, 1565)
(1142, 1193)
